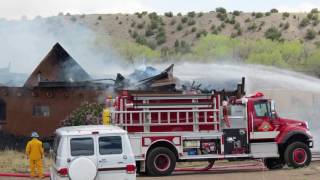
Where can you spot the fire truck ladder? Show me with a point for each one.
(195, 112)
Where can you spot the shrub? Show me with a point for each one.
(311, 34)
(272, 33)
(176, 43)
(140, 25)
(315, 10)
(230, 21)
(120, 22)
(286, 26)
(274, 11)
(222, 25)
(168, 14)
(222, 16)
(247, 20)
(236, 26)
(239, 32)
(141, 40)
(184, 19)
(191, 22)
(201, 33)
(173, 22)
(281, 24)
(134, 34)
(191, 14)
(86, 114)
(153, 16)
(179, 14)
(200, 14)
(285, 14)
(213, 27)
(315, 23)
(193, 29)
(99, 17)
(154, 25)
(133, 24)
(267, 14)
(253, 14)
(179, 27)
(215, 31)
(236, 13)
(221, 10)
(139, 15)
(259, 15)
(149, 32)
(161, 39)
(305, 22)
(252, 26)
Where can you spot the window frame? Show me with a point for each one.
(86, 137)
(37, 110)
(267, 106)
(104, 154)
(4, 104)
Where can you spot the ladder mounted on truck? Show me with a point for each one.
(167, 112)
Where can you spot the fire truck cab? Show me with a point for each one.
(169, 128)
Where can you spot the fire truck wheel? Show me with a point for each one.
(297, 155)
(160, 162)
(273, 163)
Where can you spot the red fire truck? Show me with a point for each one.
(178, 127)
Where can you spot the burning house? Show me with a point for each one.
(55, 88)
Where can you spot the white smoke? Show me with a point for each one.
(25, 43)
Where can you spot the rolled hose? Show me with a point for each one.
(19, 175)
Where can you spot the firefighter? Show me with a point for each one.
(34, 152)
(106, 115)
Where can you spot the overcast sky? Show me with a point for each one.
(15, 9)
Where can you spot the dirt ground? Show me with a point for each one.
(310, 173)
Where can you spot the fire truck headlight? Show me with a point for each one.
(176, 140)
(147, 141)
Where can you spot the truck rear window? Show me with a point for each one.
(110, 145)
(82, 147)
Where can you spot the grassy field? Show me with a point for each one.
(17, 162)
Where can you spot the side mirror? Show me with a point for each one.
(273, 114)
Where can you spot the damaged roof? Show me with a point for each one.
(57, 66)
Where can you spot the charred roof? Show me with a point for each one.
(57, 66)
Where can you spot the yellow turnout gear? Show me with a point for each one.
(106, 119)
(34, 152)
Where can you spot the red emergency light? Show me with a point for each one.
(256, 95)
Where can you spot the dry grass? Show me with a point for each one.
(16, 162)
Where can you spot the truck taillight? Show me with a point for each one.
(131, 169)
(63, 171)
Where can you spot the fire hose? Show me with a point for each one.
(19, 175)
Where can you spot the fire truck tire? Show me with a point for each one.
(273, 163)
(297, 155)
(161, 161)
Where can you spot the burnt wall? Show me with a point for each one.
(20, 102)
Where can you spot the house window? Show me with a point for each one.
(41, 111)
(2, 110)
